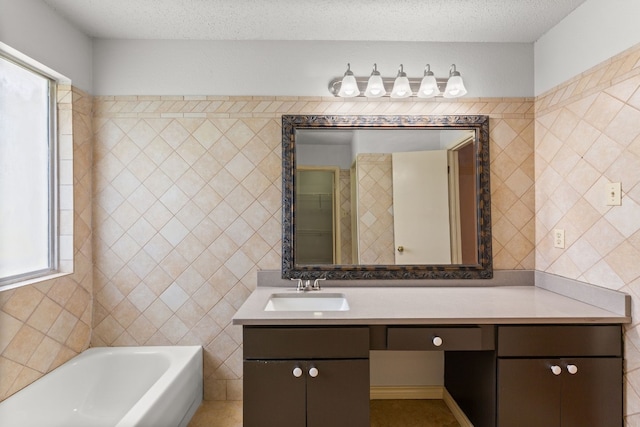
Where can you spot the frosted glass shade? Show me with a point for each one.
(349, 87)
(375, 87)
(401, 88)
(428, 87)
(455, 87)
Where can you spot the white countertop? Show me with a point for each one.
(432, 305)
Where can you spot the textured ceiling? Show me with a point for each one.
(375, 20)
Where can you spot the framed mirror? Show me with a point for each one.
(386, 197)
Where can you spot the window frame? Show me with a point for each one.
(53, 268)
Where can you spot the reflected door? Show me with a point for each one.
(420, 190)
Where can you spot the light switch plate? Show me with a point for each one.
(614, 194)
(558, 238)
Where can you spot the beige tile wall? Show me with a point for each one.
(44, 325)
(345, 219)
(375, 209)
(588, 134)
(187, 209)
(187, 198)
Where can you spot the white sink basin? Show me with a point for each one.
(307, 302)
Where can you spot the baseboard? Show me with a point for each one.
(418, 392)
(421, 392)
(455, 410)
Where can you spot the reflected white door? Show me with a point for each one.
(421, 208)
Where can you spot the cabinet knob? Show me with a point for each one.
(313, 372)
(572, 369)
(557, 370)
(297, 372)
(437, 341)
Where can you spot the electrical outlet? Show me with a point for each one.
(558, 238)
(614, 193)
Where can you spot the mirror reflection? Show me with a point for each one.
(386, 197)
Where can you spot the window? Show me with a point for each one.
(28, 175)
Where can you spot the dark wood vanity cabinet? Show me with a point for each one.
(306, 377)
(501, 376)
(441, 338)
(559, 376)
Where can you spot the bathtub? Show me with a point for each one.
(115, 387)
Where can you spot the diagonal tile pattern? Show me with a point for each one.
(44, 325)
(345, 219)
(187, 199)
(184, 196)
(181, 213)
(512, 193)
(375, 209)
(588, 134)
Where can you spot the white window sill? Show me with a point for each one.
(34, 280)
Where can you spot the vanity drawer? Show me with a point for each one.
(559, 341)
(305, 342)
(440, 338)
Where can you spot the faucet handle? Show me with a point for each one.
(316, 285)
(299, 286)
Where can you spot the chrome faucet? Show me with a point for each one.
(316, 284)
(305, 285)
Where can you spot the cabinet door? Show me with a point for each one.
(592, 397)
(339, 395)
(273, 395)
(528, 393)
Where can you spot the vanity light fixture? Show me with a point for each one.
(455, 87)
(399, 87)
(349, 86)
(375, 85)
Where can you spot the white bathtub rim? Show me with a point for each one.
(188, 356)
(161, 386)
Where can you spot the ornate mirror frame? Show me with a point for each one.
(482, 270)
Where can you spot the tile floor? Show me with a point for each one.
(217, 413)
(411, 413)
(384, 413)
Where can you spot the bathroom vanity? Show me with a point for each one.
(514, 355)
(306, 376)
